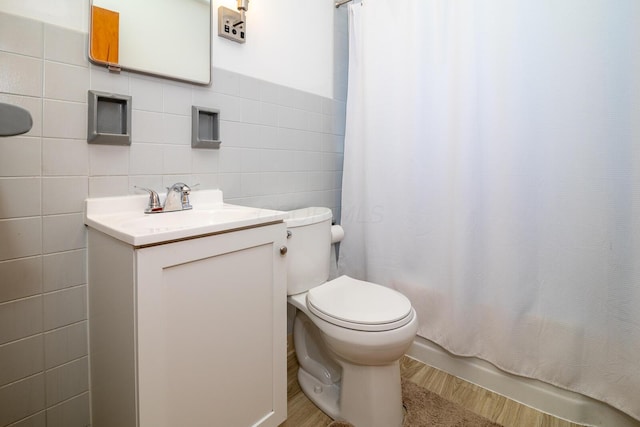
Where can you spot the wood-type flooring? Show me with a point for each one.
(303, 413)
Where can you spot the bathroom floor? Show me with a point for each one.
(303, 413)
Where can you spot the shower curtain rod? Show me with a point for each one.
(341, 2)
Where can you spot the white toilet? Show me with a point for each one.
(348, 334)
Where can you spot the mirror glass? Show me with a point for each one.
(170, 38)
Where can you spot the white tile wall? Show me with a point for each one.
(230, 159)
(61, 119)
(205, 161)
(22, 398)
(102, 80)
(64, 269)
(20, 74)
(176, 160)
(177, 99)
(29, 204)
(37, 420)
(226, 82)
(66, 381)
(250, 87)
(62, 233)
(64, 194)
(69, 47)
(20, 278)
(281, 148)
(65, 307)
(146, 126)
(108, 186)
(20, 35)
(21, 156)
(144, 90)
(108, 160)
(66, 157)
(146, 159)
(70, 413)
(207, 180)
(24, 356)
(65, 344)
(20, 319)
(176, 130)
(65, 82)
(147, 181)
(20, 237)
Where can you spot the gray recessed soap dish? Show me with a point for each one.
(205, 127)
(109, 120)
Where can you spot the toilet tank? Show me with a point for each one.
(309, 248)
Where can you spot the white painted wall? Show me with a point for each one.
(72, 14)
(288, 43)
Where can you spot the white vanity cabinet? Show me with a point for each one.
(189, 332)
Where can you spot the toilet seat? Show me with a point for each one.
(359, 305)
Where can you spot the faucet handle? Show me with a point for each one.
(186, 190)
(154, 200)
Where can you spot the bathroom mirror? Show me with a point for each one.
(169, 38)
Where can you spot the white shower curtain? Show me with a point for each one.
(492, 174)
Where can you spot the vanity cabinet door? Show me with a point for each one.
(211, 330)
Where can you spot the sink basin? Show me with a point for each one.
(184, 219)
(124, 219)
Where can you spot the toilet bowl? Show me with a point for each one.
(348, 334)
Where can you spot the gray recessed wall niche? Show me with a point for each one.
(109, 118)
(205, 127)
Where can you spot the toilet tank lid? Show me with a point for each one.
(307, 216)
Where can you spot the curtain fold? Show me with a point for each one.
(492, 175)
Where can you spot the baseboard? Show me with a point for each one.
(539, 395)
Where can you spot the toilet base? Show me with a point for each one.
(367, 395)
(325, 397)
(371, 397)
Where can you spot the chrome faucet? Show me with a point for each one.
(177, 199)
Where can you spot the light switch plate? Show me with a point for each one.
(230, 25)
